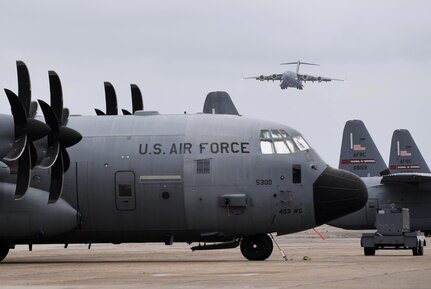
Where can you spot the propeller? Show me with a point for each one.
(111, 100)
(60, 137)
(137, 103)
(27, 130)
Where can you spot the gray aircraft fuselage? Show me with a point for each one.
(414, 197)
(200, 177)
(290, 79)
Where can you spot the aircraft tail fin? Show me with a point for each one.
(359, 154)
(405, 155)
(298, 63)
(219, 102)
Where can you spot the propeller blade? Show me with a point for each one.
(33, 109)
(126, 112)
(111, 99)
(20, 120)
(50, 116)
(24, 87)
(66, 159)
(23, 178)
(52, 146)
(17, 149)
(50, 156)
(33, 155)
(99, 112)
(65, 116)
(137, 101)
(18, 110)
(56, 95)
(56, 186)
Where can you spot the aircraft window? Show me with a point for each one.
(292, 146)
(301, 143)
(276, 134)
(281, 147)
(124, 190)
(296, 174)
(278, 141)
(265, 134)
(203, 166)
(266, 147)
(283, 133)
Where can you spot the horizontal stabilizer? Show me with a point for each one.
(359, 154)
(405, 155)
(420, 180)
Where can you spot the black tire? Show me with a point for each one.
(420, 249)
(256, 248)
(415, 251)
(4, 250)
(369, 251)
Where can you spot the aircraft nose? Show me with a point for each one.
(337, 193)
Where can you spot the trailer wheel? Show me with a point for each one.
(369, 251)
(420, 249)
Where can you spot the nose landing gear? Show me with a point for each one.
(256, 248)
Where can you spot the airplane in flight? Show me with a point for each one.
(293, 79)
(405, 184)
(214, 178)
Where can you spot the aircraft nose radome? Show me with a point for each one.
(337, 193)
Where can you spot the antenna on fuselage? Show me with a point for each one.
(298, 63)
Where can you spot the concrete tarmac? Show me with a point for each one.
(337, 262)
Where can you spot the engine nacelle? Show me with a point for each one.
(274, 76)
(304, 77)
(32, 217)
(319, 79)
(261, 77)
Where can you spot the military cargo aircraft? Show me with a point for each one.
(216, 178)
(406, 184)
(293, 79)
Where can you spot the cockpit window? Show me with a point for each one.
(266, 147)
(276, 134)
(265, 134)
(277, 141)
(281, 147)
(301, 143)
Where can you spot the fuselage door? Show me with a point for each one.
(125, 197)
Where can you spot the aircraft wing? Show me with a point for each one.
(419, 179)
(266, 77)
(306, 77)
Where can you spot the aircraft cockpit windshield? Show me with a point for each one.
(277, 141)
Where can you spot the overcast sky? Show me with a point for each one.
(178, 51)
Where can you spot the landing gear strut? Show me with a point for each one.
(256, 248)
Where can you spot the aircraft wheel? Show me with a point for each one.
(4, 250)
(369, 251)
(256, 248)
